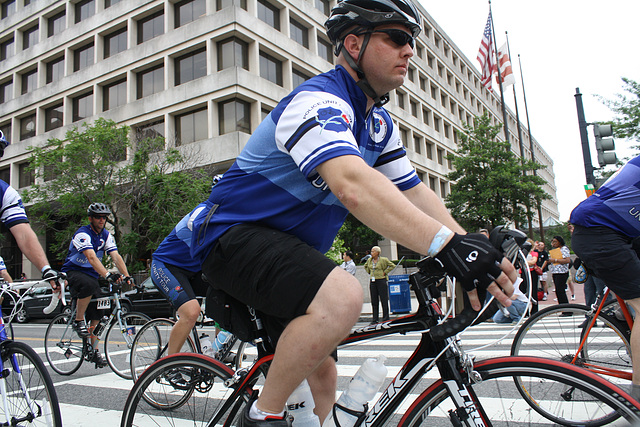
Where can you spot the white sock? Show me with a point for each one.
(259, 415)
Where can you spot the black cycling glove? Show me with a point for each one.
(472, 260)
(113, 277)
(51, 274)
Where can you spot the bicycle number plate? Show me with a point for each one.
(103, 303)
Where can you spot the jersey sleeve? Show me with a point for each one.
(110, 245)
(316, 127)
(12, 208)
(82, 241)
(395, 165)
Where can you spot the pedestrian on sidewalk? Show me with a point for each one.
(378, 268)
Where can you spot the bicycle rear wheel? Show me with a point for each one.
(62, 345)
(151, 343)
(29, 394)
(196, 403)
(119, 340)
(497, 396)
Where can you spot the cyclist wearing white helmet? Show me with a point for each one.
(14, 217)
(327, 149)
(84, 267)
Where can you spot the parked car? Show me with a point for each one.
(33, 304)
(147, 299)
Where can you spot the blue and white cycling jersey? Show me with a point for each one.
(85, 238)
(12, 210)
(274, 181)
(616, 204)
(175, 248)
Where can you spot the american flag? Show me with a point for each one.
(485, 55)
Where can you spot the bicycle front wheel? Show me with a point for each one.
(62, 345)
(151, 343)
(119, 340)
(496, 396)
(194, 398)
(29, 395)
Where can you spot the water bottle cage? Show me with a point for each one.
(361, 415)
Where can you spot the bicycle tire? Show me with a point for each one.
(198, 404)
(63, 347)
(27, 382)
(119, 339)
(151, 344)
(497, 397)
(552, 334)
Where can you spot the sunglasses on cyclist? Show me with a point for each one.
(399, 37)
(100, 217)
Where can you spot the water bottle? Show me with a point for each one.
(206, 346)
(221, 338)
(100, 326)
(363, 386)
(300, 406)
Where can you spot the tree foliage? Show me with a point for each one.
(148, 193)
(627, 108)
(355, 236)
(488, 186)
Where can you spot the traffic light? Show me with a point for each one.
(604, 146)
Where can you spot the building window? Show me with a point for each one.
(417, 144)
(323, 6)
(400, 96)
(56, 24)
(221, 4)
(270, 68)
(234, 115)
(325, 50)
(109, 3)
(8, 8)
(264, 112)
(189, 10)
(269, 14)
(30, 37)
(432, 183)
(53, 117)
(115, 42)
(29, 81)
(26, 177)
(191, 66)
(150, 81)
(414, 108)
(82, 106)
(114, 95)
(83, 57)
(6, 130)
(150, 27)
(425, 116)
(443, 189)
(298, 77)
(6, 91)
(191, 127)
(7, 48)
(55, 70)
(440, 156)
(429, 150)
(436, 123)
(5, 174)
(49, 171)
(28, 126)
(150, 135)
(299, 33)
(85, 9)
(233, 52)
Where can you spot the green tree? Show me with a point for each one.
(356, 236)
(627, 108)
(90, 165)
(488, 186)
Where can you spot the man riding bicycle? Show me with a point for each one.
(606, 236)
(84, 267)
(327, 149)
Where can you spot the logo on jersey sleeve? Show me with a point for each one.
(378, 128)
(332, 119)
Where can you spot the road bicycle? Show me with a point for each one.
(596, 338)
(152, 341)
(27, 394)
(467, 393)
(66, 351)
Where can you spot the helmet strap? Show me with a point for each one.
(362, 82)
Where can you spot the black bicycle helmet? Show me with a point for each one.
(356, 15)
(3, 143)
(98, 209)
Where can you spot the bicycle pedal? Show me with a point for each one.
(67, 353)
(5, 373)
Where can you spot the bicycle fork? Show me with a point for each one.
(34, 408)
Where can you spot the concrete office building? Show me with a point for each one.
(204, 73)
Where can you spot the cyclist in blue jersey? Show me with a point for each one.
(327, 149)
(14, 217)
(606, 237)
(84, 267)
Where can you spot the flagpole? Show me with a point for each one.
(504, 109)
(515, 101)
(533, 155)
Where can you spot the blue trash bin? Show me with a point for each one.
(399, 294)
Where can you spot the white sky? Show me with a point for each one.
(563, 44)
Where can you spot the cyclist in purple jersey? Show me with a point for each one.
(327, 149)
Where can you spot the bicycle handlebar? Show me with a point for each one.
(56, 297)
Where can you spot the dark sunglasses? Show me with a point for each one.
(399, 37)
(100, 217)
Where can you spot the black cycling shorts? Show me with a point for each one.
(274, 272)
(177, 284)
(82, 285)
(610, 256)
